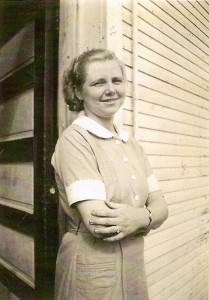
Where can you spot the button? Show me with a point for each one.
(52, 190)
(136, 197)
(133, 177)
(125, 158)
(117, 142)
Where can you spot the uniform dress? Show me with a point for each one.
(90, 162)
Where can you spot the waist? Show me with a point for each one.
(81, 229)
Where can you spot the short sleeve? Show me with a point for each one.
(76, 165)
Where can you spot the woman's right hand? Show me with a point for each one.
(119, 220)
(112, 221)
(85, 209)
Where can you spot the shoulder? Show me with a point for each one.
(74, 133)
(73, 130)
(74, 139)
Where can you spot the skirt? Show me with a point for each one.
(89, 268)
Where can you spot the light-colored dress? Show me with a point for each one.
(91, 163)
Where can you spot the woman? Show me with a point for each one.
(107, 189)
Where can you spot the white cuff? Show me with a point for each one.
(153, 184)
(89, 189)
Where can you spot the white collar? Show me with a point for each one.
(98, 130)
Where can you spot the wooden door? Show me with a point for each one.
(28, 197)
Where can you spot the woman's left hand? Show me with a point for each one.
(119, 221)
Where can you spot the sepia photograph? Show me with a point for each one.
(104, 149)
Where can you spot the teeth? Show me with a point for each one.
(108, 100)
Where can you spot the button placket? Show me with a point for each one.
(133, 177)
(136, 196)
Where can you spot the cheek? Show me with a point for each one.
(97, 94)
(121, 90)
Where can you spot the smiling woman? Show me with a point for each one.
(103, 91)
(107, 189)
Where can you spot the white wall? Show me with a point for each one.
(165, 48)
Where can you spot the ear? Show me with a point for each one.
(78, 94)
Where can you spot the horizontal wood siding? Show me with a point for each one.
(169, 115)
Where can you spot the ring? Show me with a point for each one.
(118, 231)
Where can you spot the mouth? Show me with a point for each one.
(109, 100)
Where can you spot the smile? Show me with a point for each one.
(109, 100)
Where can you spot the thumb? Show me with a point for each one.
(113, 205)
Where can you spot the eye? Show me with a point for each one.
(98, 83)
(118, 80)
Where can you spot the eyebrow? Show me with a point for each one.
(99, 79)
(103, 79)
(118, 77)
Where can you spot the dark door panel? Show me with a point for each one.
(28, 131)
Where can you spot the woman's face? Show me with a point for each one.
(103, 91)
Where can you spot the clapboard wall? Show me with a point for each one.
(166, 52)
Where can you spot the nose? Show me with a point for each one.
(110, 89)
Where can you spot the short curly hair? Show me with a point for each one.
(75, 76)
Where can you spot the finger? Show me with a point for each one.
(107, 230)
(103, 213)
(103, 221)
(113, 205)
(114, 238)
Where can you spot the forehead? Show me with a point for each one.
(104, 68)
